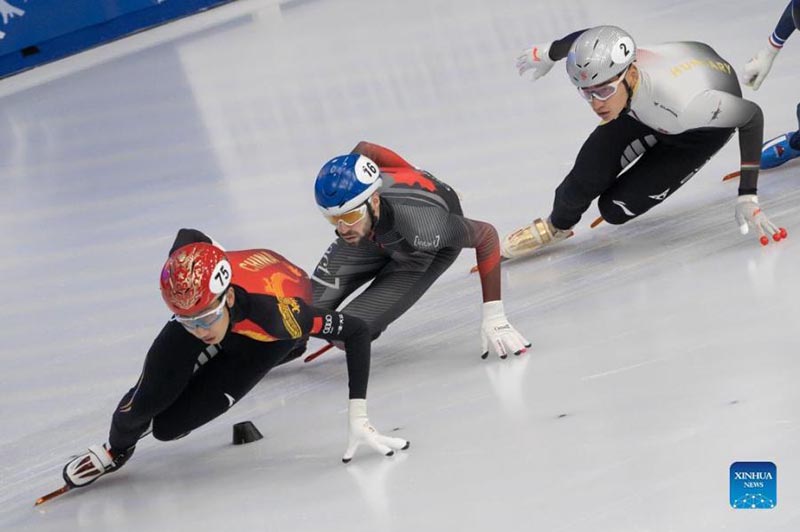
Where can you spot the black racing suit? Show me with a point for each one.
(185, 383)
(685, 105)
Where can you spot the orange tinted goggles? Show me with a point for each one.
(349, 217)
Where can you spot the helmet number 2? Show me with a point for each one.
(623, 50)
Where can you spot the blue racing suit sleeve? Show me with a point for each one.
(786, 25)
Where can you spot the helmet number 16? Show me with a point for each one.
(370, 169)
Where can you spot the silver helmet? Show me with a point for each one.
(599, 54)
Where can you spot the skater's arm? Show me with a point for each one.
(383, 157)
(560, 47)
(718, 109)
(432, 228)
(786, 24)
(189, 236)
(289, 318)
(483, 237)
(751, 136)
(538, 59)
(758, 67)
(354, 332)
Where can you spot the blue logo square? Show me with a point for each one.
(754, 485)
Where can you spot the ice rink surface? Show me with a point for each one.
(663, 350)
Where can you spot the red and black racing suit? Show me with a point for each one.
(419, 233)
(186, 383)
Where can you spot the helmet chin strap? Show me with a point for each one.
(372, 215)
(629, 89)
(630, 94)
(229, 308)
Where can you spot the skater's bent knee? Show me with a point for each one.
(162, 433)
(615, 212)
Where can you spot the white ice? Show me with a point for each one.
(663, 350)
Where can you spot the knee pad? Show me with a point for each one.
(164, 434)
(613, 211)
(157, 434)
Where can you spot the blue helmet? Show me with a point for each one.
(345, 182)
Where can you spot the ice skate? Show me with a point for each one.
(532, 237)
(782, 148)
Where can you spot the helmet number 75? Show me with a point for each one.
(220, 277)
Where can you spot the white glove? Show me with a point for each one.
(93, 464)
(535, 58)
(749, 213)
(758, 67)
(361, 431)
(496, 330)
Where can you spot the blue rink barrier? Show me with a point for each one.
(34, 32)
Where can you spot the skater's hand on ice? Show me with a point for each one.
(98, 460)
(536, 60)
(758, 67)
(498, 333)
(749, 214)
(362, 432)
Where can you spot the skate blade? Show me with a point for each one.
(318, 353)
(52, 495)
(732, 175)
